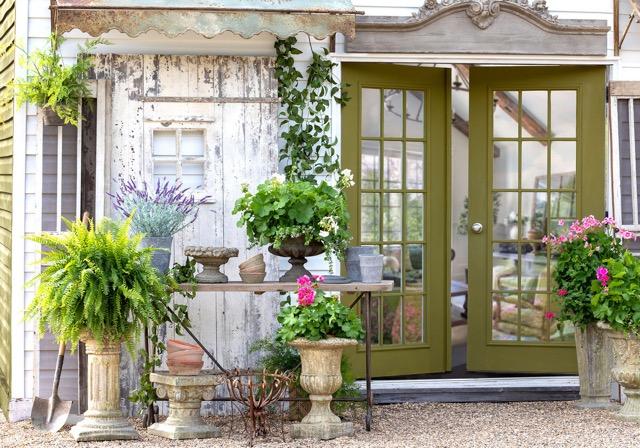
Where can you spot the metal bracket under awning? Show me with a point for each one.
(247, 18)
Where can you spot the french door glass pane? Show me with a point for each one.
(370, 165)
(393, 165)
(505, 113)
(370, 121)
(415, 165)
(393, 107)
(505, 165)
(414, 115)
(563, 113)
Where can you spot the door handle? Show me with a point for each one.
(476, 227)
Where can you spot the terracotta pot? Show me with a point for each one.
(321, 376)
(297, 250)
(594, 367)
(184, 358)
(626, 370)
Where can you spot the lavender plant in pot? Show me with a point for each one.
(158, 213)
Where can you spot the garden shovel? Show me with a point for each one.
(51, 414)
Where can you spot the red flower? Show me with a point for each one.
(549, 315)
(562, 292)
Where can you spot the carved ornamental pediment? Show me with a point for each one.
(483, 12)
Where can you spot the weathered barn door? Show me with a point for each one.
(395, 139)
(211, 122)
(537, 152)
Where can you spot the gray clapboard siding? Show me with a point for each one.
(626, 180)
(234, 100)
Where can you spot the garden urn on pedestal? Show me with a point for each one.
(320, 378)
(103, 419)
(185, 394)
(626, 371)
(594, 367)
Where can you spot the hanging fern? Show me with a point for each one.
(96, 282)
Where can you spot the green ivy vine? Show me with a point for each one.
(304, 120)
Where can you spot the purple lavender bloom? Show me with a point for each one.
(161, 212)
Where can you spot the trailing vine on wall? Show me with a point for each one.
(304, 120)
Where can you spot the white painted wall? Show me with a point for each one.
(33, 27)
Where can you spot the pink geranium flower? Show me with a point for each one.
(304, 281)
(306, 296)
(602, 274)
(562, 292)
(549, 315)
(318, 278)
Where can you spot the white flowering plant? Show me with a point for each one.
(281, 209)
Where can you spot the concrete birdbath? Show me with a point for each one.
(211, 258)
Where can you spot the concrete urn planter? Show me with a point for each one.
(626, 370)
(103, 419)
(594, 367)
(321, 378)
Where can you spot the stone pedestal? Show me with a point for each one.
(103, 419)
(626, 371)
(594, 366)
(185, 394)
(321, 378)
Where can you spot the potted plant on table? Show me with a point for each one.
(319, 326)
(97, 285)
(297, 219)
(54, 87)
(616, 303)
(158, 214)
(579, 250)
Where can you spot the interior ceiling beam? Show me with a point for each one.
(510, 105)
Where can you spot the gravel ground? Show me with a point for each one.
(495, 425)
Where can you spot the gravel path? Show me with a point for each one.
(495, 425)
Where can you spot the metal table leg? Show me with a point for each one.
(367, 326)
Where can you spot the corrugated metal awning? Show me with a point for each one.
(282, 18)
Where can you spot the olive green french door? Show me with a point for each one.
(537, 158)
(395, 140)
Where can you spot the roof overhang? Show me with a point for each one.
(282, 18)
(474, 27)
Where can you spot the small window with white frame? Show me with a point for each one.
(179, 154)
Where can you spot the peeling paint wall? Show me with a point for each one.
(233, 100)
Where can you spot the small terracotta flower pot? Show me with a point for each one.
(184, 358)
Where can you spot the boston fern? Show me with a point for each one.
(50, 83)
(96, 282)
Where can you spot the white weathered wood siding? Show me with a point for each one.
(234, 100)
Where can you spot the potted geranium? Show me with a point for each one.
(616, 303)
(298, 219)
(579, 250)
(97, 285)
(158, 213)
(53, 86)
(319, 326)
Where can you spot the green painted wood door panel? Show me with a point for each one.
(537, 156)
(395, 139)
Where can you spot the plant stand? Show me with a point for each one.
(103, 419)
(185, 394)
(594, 366)
(626, 371)
(321, 378)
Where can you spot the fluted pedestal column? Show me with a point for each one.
(185, 394)
(321, 378)
(103, 419)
